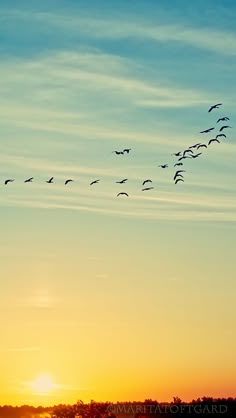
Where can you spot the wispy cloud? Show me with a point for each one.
(215, 40)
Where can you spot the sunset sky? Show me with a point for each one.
(101, 297)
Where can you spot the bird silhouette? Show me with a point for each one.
(9, 181)
(177, 180)
(177, 154)
(216, 106)
(187, 150)
(222, 119)
(224, 127)
(68, 181)
(196, 155)
(178, 173)
(28, 180)
(184, 157)
(50, 180)
(177, 164)
(207, 130)
(122, 181)
(147, 188)
(220, 135)
(118, 152)
(213, 140)
(127, 150)
(94, 182)
(147, 181)
(195, 145)
(163, 166)
(202, 146)
(122, 193)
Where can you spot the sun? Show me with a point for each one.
(43, 384)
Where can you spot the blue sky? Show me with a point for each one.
(79, 79)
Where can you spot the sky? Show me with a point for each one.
(105, 297)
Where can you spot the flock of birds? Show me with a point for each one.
(188, 153)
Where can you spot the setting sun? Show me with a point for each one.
(43, 385)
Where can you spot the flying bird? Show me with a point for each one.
(202, 146)
(118, 152)
(8, 181)
(216, 106)
(224, 127)
(68, 181)
(196, 155)
(163, 166)
(127, 150)
(184, 157)
(122, 193)
(147, 181)
(178, 173)
(207, 130)
(28, 180)
(176, 164)
(213, 140)
(177, 180)
(195, 145)
(187, 150)
(94, 182)
(50, 180)
(122, 181)
(222, 119)
(219, 135)
(147, 188)
(177, 154)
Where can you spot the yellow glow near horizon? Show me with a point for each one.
(43, 385)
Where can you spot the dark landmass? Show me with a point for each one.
(201, 407)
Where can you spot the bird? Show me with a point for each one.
(177, 164)
(222, 119)
(50, 180)
(207, 130)
(220, 135)
(216, 106)
(122, 193)
(177, 154)
(127, 150)
(147, 188)
(196, 155)
(163, 166)
(187, 150)
(224, 127)
(195, 145)
(202, 146)
(177, 180)
(118, 152)
(8, 181)
(178, 173)
(28, 180)
(183, 158)
(68, 181)
(94, 182)
(213, 140)
(122, 181)
(147, 181)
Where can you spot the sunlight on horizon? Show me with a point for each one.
(43, 385)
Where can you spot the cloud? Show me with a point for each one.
(123, 28)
